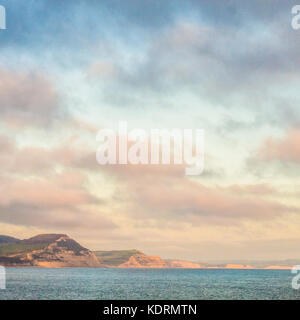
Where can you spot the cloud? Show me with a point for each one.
(40, 189)
(60, 201)
(57, 191)
(219, 67)
(232, 67)
(277, 157)
(38, 161)
(164, 192)
(261, 189)
(286, 149)
(189, 198)
(28, 98)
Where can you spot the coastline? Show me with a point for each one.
(139, 268)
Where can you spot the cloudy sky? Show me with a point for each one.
(68, 69)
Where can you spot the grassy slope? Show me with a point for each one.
(116, 257)
(15, 248)
(11, 246)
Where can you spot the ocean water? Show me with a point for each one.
(81, 283)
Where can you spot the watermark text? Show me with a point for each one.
(2, 278)
(2, 17)
(160, 146)
(295, 283)
(296, 17)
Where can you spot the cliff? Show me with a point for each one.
(59, 250)
(183, 264)
(143, 261)
(137, 259)
(48, 250)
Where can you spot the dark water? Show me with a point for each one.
(34, 283)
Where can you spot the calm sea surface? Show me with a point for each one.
(34, 283)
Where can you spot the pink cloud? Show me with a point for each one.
(253, 189)
(55, 201)
(191, 198)
(27, 98)
(166, 191)
(55, 191)
(286, 149)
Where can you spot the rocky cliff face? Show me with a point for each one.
(59, 250)
(143, 261)
(63, 252)
(183, 264)
(137, 259)
(50, 251)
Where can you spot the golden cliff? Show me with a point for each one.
(143, 261)
(59, 250)
(49, 251)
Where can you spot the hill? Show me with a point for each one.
(59, 250)
(47, 250)
(137, 259)
(115, 257)
(6, 239)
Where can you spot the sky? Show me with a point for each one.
(71, 68)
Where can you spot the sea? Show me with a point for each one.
(154, 284)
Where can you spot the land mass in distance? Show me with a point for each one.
(59, 251)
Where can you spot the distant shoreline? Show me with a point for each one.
(145, 268)
(53, 251)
